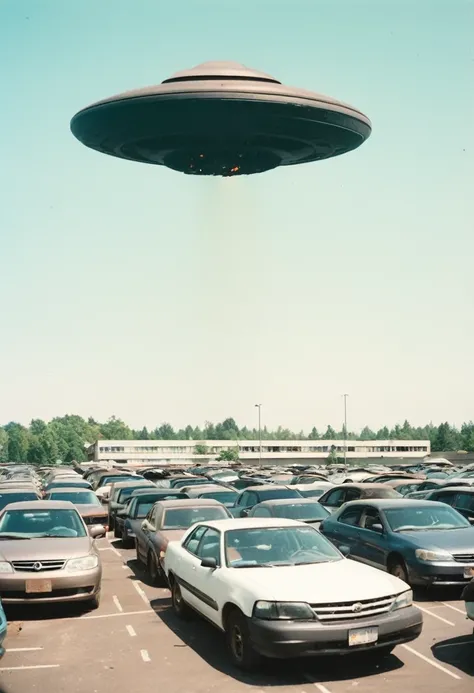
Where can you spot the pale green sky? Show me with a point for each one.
(136, 291)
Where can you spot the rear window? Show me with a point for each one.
(381, 493)
(6, 499)
(182, 518)
(301, 511)
(274, 494)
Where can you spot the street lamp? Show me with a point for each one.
(345, 428)
(259, 407)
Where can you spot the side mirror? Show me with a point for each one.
(244, 512)
(471, 520)
(123, 513)
(209, 563)
(144, 525)
(96, 531)
(377, 528)
(345, 550)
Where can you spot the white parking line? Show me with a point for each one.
(23, 649)
(112, 548)
(430, 613)
(92, 618)
(454, 608)
(141, 592)
(131, 631)
(37, 666)
(145, 656)
(117, 603)
(432, 662)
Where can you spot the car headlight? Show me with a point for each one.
(6, 567)
(425, 555)
(84, 563)
(403, 600)
(285, 611)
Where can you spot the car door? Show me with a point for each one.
(210, 588)
(257, 511)
(148, 528)
(372, 545)
(192, 577)
(344, 530)
(250, 499)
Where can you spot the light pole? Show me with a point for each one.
(345, 428)
(259, 407)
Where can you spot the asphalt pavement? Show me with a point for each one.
(133, 642)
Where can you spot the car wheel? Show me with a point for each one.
(155, 572)
(399, 570)
(117, 532)
(180, 607)
(238, 641)
(127, 543)
(111, 524)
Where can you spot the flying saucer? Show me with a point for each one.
(221, 119)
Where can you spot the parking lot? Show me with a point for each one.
(134, 639)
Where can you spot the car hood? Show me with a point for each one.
(92, 509)
(338, 581)
(42, 549)
(452, 540)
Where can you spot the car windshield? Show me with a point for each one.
(182, 518)
(68, 484)
(125, 493)
(77, 497)
(424, 518)
(114, 478)
(277, 546)
(226, 497)
(274, 494)
(41, 523)
(301, 511)
(144, 506)
(313, 493)
(7, 498)
(190, 482)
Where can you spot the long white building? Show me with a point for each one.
(161, 452)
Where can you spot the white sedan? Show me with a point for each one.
(278, 588)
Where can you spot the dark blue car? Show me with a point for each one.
(421, 542)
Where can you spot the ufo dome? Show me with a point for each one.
(221, 118)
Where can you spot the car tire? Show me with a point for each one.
(398, 568)
(242, 652)
(127, 542)
(155, 572)
(181, 609)
(117, 532)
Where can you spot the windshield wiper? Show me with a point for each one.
(13, 536)
(255, 565)
(55, 536)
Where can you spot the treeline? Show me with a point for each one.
(66, 438)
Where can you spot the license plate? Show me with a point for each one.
(469, 571)
(363, 636)
(38, 586)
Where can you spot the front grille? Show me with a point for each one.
(349, 611)
(39, 566)
(464, 557)
(95, 519)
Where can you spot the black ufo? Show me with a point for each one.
(221, 119)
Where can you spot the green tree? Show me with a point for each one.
(314, 435)
(367, 434)
(3, 445)
(18, 442)
(115, 429)
(201, 449)
(330, 434)
(229, 455)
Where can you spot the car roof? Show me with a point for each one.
(288, 501)
(160, 493)
(252, 523)
(361, 486)
(41, 505)
(189, 502)
(266, 487)
(460, 489)
(389, 503)
(70, 489)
